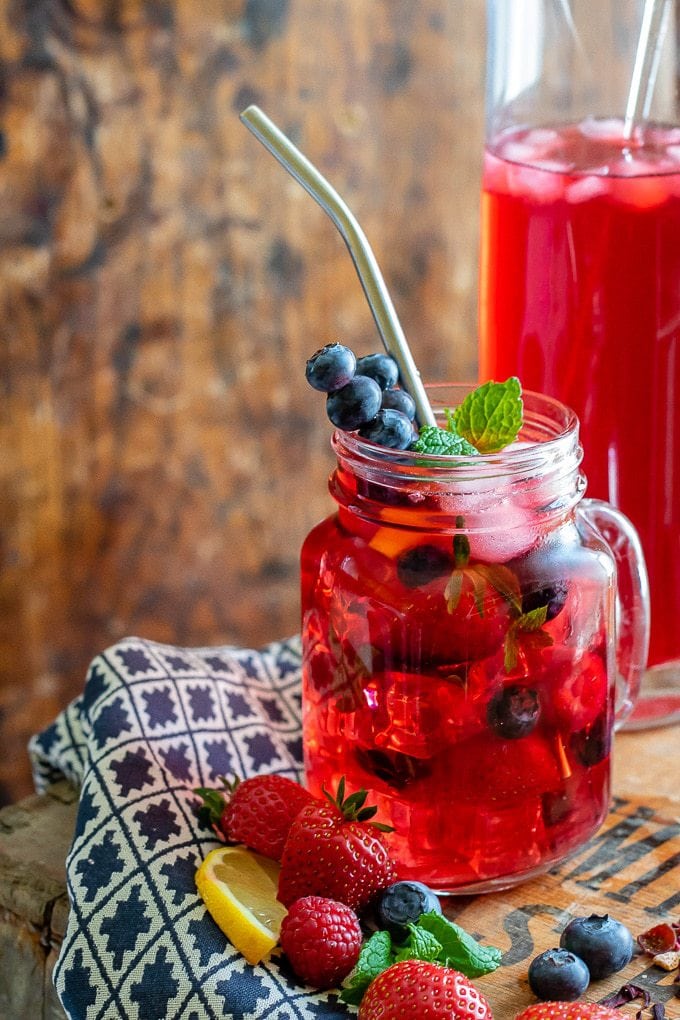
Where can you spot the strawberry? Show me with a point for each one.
(568, 1011)
(257, 811)
(414, 988)
(322, 940)
(334, 850)
(459, 617)
(489, 768)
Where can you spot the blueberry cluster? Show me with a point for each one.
(364, 395)
(591, 948)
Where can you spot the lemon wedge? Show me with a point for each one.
(239, 888)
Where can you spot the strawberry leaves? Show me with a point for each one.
(353, 806)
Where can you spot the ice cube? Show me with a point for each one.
(585, 188)
(604, 129)
(541, 186)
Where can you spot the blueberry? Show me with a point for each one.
(423, 563)
(605, 945)
(513, 712)
(354, 404)
(403, 903)
(558, 975)
(394, 767)
(380, 367)
(388, 428)
(330, 368)
(399, 400)
(593, 744)
(553, 596)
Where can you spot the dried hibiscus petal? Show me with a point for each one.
(626, 993)
(662, 938)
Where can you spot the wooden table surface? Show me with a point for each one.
(648, 762)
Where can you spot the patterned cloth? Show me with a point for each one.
(152, 723)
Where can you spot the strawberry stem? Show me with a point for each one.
(353, 807)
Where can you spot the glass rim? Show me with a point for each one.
(553, 425)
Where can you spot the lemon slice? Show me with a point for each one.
(239, 888)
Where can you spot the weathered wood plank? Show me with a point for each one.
(162, 282)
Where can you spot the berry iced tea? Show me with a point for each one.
(456, 663)
(579, 296)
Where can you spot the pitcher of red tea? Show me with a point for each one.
(580, 259)
(461, 656)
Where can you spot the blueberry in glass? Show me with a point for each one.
(330, 368)
(399, 400)
(354, 404)
(380, 367)
(389, 428)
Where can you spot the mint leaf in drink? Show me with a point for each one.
(490, 417)
(459, 949)
(530, 624)
(442, 442)
(376, 956)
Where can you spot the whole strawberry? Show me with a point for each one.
(414, 988)
(257, 812)
(322, 940)
(568, 1011)
(334, 850)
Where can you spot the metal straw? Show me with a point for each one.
(646, 66)
(364, 260)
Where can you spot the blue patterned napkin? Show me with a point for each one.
(152, 723)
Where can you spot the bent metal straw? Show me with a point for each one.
(364, 260)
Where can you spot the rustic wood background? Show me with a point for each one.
(162, 281)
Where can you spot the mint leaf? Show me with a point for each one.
(491, 416)
(442, 443)
(459, 949)
(529, 623)
(420, 945)
(532, 620)
(376, 956)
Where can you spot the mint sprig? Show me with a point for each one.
(376, 956)
(442, 443)
(488, 420)
(530, 624)
(433, 938)
(491, 416)
(459, 949)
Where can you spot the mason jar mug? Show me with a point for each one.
(473, 631)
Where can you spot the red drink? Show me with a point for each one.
(457, 618)
(580, 297)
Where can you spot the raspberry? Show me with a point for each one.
(322, 939)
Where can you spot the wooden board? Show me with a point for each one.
(630, 870)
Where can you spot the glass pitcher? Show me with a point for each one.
(580, 259)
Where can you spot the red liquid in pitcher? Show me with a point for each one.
(580, 297)
(485, 744)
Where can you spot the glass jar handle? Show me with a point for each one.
(632, 599)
